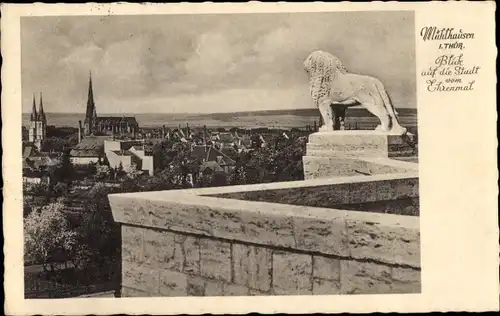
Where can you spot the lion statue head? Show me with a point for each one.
(322, 68)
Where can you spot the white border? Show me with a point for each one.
(458, 175)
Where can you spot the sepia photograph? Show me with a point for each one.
(220, 154)
(296, 158)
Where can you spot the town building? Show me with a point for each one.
(128, 153)
(35, 164)
(89, 150)
(105, 125)
(38, 124)
(213, 158)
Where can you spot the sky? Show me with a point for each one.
(207, 63)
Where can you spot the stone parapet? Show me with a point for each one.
(195, 242)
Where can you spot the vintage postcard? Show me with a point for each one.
(238, 158)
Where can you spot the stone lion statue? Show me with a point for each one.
(331, 85)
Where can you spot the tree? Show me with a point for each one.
(205, 179)
(53, 144)
(62, 170)
(289, 164)
(48, 238)
(280, 161)
(60, 189)
(132, 171)
(72, 140)
(103, 172)
(98, 231)
(119, 172)
(183, 166)
(164, 153)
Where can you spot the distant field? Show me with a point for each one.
(277, 119)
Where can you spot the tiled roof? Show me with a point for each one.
(226, 137)
(91, 146)
(213, 155)
(209, 153)
(114, 120)
(200, 151)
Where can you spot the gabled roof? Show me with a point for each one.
(91, 146)
(215, 167)
(213, 155)
(210, 153)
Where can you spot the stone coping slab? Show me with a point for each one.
(358, 143)
(386, 238)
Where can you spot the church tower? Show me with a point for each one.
(90, 123)
(33, 120)
(42, 121)
(38, 124)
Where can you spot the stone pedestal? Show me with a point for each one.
(347, 153)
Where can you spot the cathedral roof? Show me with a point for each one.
(115, 120)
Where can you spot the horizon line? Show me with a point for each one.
(202, 113)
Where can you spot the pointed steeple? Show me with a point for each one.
(41, 113)
(91, 113)
(34, 115)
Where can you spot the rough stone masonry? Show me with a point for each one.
(188, 243)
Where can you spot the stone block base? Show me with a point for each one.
(357, 144)
(326, 167)
(343, 153)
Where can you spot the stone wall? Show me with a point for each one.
(185, 243)
(164, 263)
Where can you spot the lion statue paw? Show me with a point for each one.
(399, 130)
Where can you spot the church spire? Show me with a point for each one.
(90, 114)
(41, 113)
(34, 116)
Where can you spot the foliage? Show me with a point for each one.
(132, 172)
(35, 188)
(62, 170)
(176, 160)
(164, 153)
(281, 160)
(103, 172)
(58, 143)
(60, 189)
(97, 230)
(48, 237)
(53, 144)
